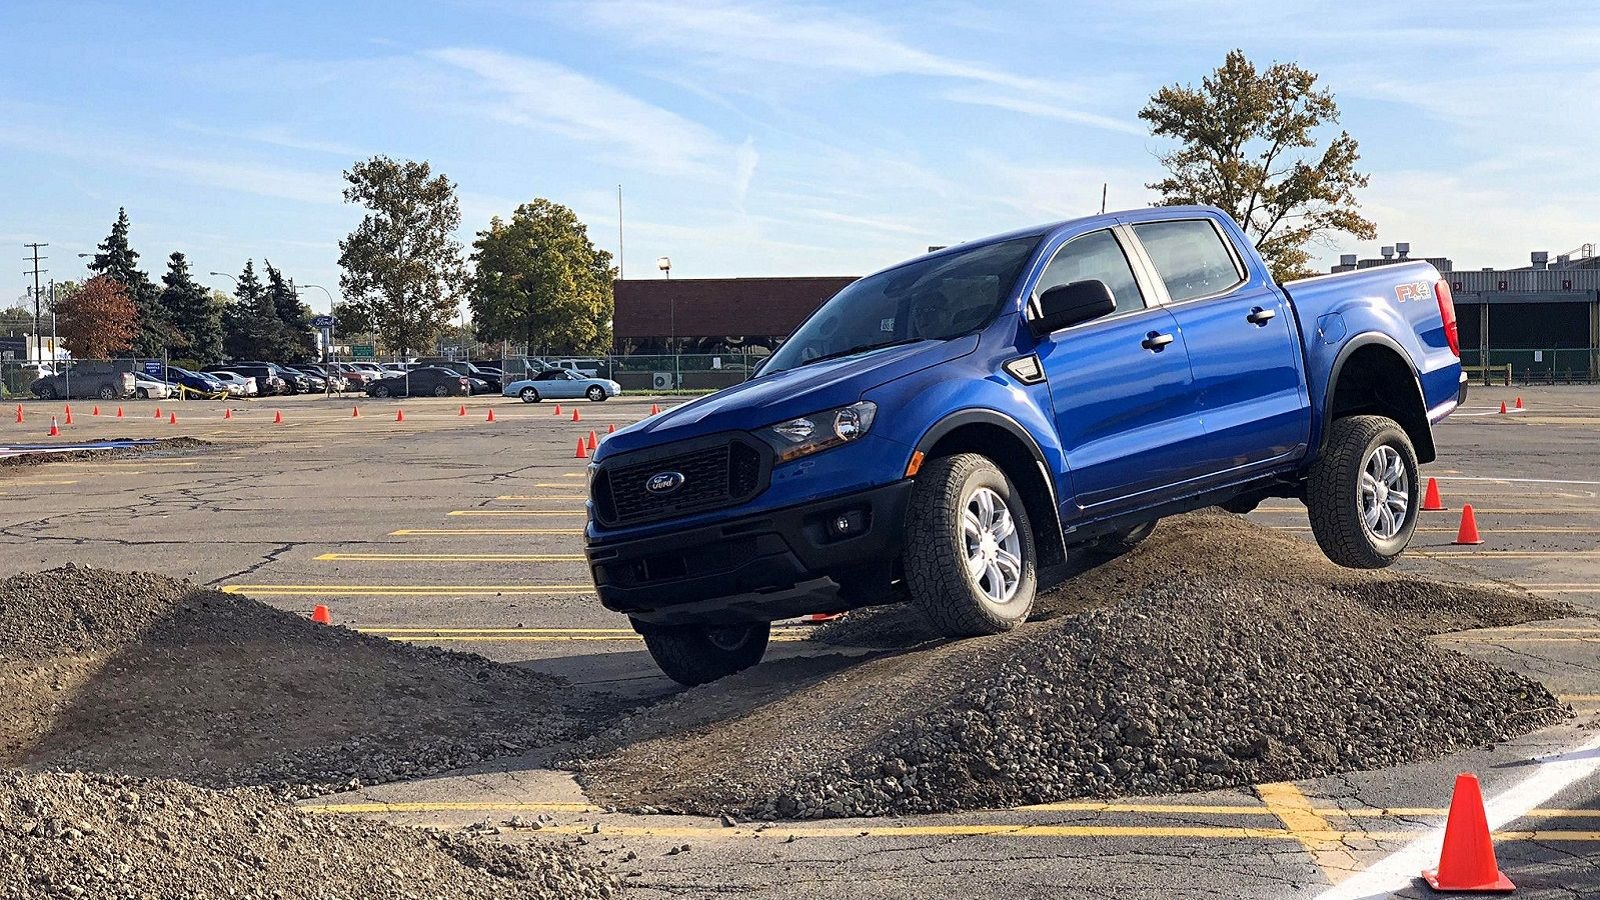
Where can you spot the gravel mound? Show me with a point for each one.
(1140, 679)
(143, 675)
(103, 836)
(28, 460)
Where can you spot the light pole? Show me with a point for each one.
(229, 277)
(327, 334)
(664, 263)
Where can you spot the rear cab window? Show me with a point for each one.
(1191, 256)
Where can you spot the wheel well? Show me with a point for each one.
(1015, 459)
(1376, 380)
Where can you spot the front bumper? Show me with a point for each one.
(757, 568)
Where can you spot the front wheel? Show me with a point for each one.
(700, 654)
(528, 395)
(1362, 493)
(107, 392)
(597, 393)
(381, 391)
(969, 557)
(443, 391)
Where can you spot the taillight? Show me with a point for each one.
(1447, 312)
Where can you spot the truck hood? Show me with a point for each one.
(774, 398)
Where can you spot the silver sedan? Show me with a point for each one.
(561, 384)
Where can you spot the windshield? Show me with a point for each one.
(937, 298)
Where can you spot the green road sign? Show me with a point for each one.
(362, 351)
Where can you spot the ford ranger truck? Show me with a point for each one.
(942, 430)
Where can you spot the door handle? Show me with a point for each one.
(1259, 316)
(1155, 340)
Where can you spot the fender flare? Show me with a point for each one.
(1368, 339)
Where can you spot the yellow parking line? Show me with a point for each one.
(544, 497)
(444, 806)
(1295, 811)
(450, 557)
(446, 532)
(1575, 511)
(516, 512)
(31, 483)
(406, 590)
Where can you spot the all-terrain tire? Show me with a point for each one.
(1333, 493)
(1123, 540)
(700, 654)
(936, 551)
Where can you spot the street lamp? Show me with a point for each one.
(664, 263)
(327, 334)
(229, 277)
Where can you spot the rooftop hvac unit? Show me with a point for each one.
(661, 381)
(1386, 252)
(1347, 259)
(1403, 249)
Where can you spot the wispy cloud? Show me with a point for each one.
(545, 96)
(272, 135)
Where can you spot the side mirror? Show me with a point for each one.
(1071, 304)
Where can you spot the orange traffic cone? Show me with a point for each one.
(575, 416)
(819, 618)
(1502, 407)
(277, 417)
(95, 411)
(227, 413)
(463, 410)
(399, 415)
(173, 420)
(56, 432)
(69, 415)
(355, 412)
(655, 408)
(592, 442)
(1431, 500)
(1519, 403)
(558, 409)
(158, 412)
(19, 413)
(490, 417)
(320, 615)
(582, 453)
(1467, 862)
(119, 412)
(1469, 527)
(612, 428)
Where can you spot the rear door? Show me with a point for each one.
(1243, 350)
(1120, 385)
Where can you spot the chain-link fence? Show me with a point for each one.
(1579, 365)
(686, 371)
(105, 379)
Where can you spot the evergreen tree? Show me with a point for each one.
(118, 260)
(296, 342)
(250, 325)
(193, 312)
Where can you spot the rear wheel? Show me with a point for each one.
(108, 393)
(597, 393)
(700, 654)
(442, 391)
(528, 395)
(969, 557)
(1362, 493)
(380, 391)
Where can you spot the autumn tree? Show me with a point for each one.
(192, 311)
(98, 320)
(402, 266)
(539, 279)
(1249, 144)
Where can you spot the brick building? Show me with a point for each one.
(711, 315)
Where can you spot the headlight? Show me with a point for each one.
(819, 431)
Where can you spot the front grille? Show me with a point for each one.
(718, 473)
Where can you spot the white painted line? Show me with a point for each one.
(1403, 868)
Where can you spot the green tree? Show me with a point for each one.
(1249, 145)
(117, 259)
(193, 312)
(402, 267)
(250, 325)
(295, 340)
(351, 319)
(541, 280)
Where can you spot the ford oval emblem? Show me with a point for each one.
(664, 482)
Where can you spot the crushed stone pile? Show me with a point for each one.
(104, 836)
(157, 448)
(1220, 654)
(144, 675)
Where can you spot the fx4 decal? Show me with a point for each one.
(1414, 290)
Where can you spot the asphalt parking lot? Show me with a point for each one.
(455, 530)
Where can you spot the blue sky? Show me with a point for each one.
(757, 138)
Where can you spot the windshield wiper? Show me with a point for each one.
(861, 349)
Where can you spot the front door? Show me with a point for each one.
(1121, 389)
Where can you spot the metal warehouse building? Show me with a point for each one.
(1542, 320)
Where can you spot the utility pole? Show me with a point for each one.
(619, 232)
(38, 292)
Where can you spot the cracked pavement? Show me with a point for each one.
(257, 506)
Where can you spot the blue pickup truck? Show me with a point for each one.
(941, 430)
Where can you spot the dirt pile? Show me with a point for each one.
(144, 675)
(78, 835)
(1223, 654)
(28, 460)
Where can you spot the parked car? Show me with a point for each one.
(428, 381)
(356, 378)
(201, 383)
(312, 383)
(268, 379)
(561, 384)
(586, 366)
(490, 384)
(87, 380)
(147, 388)
(236, 384)
(944, 429)
(340, 384)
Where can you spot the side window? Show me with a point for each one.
(1094, 256)
(1191, 257)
